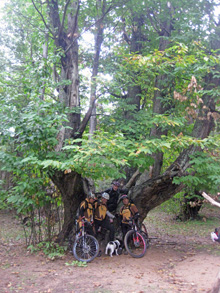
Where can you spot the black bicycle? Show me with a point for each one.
(85, 246)
(135, 240)
(143, 231)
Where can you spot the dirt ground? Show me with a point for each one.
(171, 264)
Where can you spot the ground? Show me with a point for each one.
(174, 262)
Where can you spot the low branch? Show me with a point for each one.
(211, 200)
(132, 179)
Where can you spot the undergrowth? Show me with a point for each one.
(50, 249)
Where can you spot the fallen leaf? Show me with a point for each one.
(96, 284)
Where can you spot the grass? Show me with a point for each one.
(10, 230)
(159, 222)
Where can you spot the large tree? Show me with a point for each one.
(151, 117)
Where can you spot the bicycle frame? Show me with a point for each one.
(134, 241)
(81, 230)
(85, 247)
(134, 225)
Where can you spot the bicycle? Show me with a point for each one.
(135, 240)
(144, 232)
(85, 247)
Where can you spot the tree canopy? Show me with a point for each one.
(109, 89)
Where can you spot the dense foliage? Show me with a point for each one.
(147, 72)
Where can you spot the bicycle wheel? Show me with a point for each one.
(85, 248)
(71, 239)
(145, 234)
(135, 244)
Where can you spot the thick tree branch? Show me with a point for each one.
(95, 67)
(118, 96)
(132, 179)
(71, 44)
(211, 200)
(85, 121)
(41, 15)
(74, 28)
(63, 19)
(126, 37)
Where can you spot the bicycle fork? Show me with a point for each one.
(136, 240)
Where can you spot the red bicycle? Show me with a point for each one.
(135, 241)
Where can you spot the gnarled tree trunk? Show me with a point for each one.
(71, 185)
(72, 191)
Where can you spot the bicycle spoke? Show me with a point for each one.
(85, 248)
(135, 244)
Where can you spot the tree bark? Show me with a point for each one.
(72, 185)
(162, 85)
(98, 44)
(159, 189)
(68, 42)
(69, 184)
(136, 45)
(72, 191)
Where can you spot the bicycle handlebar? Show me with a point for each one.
(83, 219)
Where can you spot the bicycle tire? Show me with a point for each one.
(135, 244)
(145, 234)
(85, 248)
(143, 228)
(71, 240)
